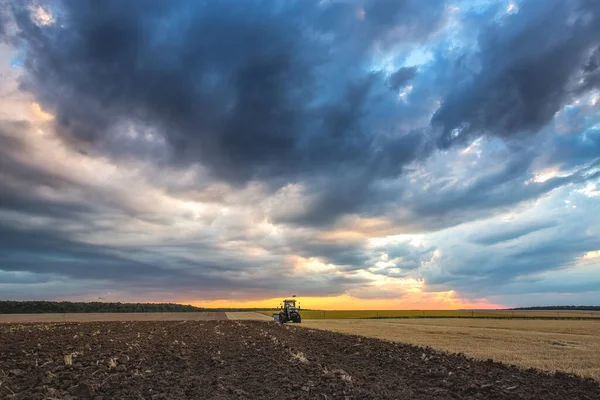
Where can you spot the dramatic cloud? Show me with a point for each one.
(527, 68)
(436, 152)
(250, 92)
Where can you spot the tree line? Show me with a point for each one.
(44, 307)
(578, 308)
(60, 307)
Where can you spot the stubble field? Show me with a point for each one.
(569, 346)
(249, 360)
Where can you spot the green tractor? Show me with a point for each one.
(289, 312)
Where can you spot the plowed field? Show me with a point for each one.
(249, 360)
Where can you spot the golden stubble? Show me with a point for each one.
(553, 345)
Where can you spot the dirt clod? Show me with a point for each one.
(83, 391)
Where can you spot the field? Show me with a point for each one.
(570, 346)
(249, 360)
(315, 314)
(99, 317)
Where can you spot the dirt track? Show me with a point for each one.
(249, 359)
(248, 316)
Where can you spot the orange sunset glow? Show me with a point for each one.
(421, 301)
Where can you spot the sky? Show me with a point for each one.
(358, 154)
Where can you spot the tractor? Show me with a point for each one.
(289, 312)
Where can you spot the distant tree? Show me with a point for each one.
(575, 308)
(30, 307)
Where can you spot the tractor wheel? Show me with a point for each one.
(282, 318)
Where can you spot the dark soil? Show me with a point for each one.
(249, 360)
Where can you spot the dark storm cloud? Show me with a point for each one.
(518, 86)
(530, 66)
(49, 252)
(351, 189)
(245, 90)
(285, 94)
(44, 236)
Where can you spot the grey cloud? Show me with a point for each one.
(47, 253)
(511, 232)
(414, 21)
(529, 68)
(20, 278)
(55, 247)
(348, 254)
(401, 77)
(359, 25)
(488, 193)
(4, 21)
(507, 63)
(20, 181)
(545, 298)
(511, 266)
(591, 72)
(267, 100)
(239, 90)
(352, 189)
(406, 257)
(573, 150)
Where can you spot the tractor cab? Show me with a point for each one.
(290, 306)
